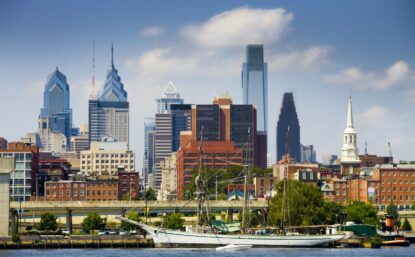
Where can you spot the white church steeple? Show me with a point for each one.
(349, 151)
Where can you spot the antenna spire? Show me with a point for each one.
(93, 94)
(112, 55)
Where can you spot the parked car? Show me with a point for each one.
(103, 232)
(113, 232)
(123, 233)
(66, 231)
(133, 232)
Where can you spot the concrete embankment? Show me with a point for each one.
(76, 241)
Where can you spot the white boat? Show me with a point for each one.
(232, 248)
(173, 238)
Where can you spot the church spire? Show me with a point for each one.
(350, 114)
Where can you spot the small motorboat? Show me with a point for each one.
(232, 247)
(396, 242)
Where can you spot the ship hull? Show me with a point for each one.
(169, 238)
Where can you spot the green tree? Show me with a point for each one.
(406, 226)
(150, 194)
(173, 221)
(93, 222)
(392, 210)
(304, 205)
(47, 222)
(132, 215)
(361, 213)
(335, 213)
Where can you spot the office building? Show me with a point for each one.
(169, 96)
(22, 179)
(109, 114)
(148, 157)
(163, 145)
(255, 84)
(106, 158)
(56, 114)
(288, 125)
(169, 177)
(308, 154)
(81, 141)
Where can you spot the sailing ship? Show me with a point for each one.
(174, 238)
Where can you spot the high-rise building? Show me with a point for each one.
(182, 121)
(308, 154)
(255, 83)
(163, 145)
(148, 157)
(81, 141)
(349, 160)
(23, 177)
(169, 96)
(288, 120)
(56, 111)
(107, 158)
(109, 114)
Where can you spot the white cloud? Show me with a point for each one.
(378, 125)
(356, 78)
(34, 88)
(152, 31)
(239, 27)
(310, 59)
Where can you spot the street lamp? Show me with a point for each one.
(216, 195)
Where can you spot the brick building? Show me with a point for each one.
(128, 187)
(50, 170)
(218, 155)
(90, 190)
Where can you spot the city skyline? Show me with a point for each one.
(318, 67)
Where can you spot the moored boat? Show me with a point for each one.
(173, 238)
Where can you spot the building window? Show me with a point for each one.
(60, 192)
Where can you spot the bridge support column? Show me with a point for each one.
(69, 220)
(6, 167)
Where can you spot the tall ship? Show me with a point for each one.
(204, 235)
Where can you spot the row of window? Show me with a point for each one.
(107, 156)
(395, 174)
(82, 192)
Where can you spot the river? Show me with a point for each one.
(317, 252)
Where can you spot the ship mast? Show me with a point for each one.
(200, 185)
(285, 181)
(246, 171)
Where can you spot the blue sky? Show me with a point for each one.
(316, 49)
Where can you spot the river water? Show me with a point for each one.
(383, 252)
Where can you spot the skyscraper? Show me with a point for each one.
(308, 154)
(255, 83)
(169, 96)
(109, 114)
(349, 160)
(56, 113)
(148, 158)
(288, 119)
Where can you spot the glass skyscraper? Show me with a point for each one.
(169, 96)
(288, 119)
(109, 114)
(56, 110)
(255, 83)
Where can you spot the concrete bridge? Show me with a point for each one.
(154, 206)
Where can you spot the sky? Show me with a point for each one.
(318, 50)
